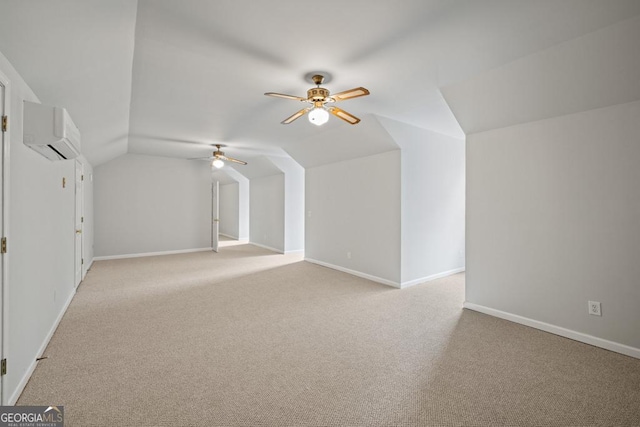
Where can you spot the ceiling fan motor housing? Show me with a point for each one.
(317, 94)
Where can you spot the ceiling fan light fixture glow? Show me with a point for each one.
(218, 158)
(318, 116)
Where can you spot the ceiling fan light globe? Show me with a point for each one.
(318, 116)
(217, 163)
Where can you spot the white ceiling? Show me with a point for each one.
(596, 70)
(166, 77)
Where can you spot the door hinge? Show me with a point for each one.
(82, 261)
(5, 123)
(3, 368)
(81, 177)
(3, 247)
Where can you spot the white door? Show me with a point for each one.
(4, 152)
(215, 211)
(78, 221)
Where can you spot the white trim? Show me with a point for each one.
(5, 194)
(355, 273)
(78, 221)
(266, 247)
(229, 236)
(297, 251)
(238, 239)
(404, 285)
(27, 375)
(181, 251)
(557, 330)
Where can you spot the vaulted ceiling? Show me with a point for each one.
(170, 78)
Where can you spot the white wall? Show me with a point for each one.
(293, 203)
(147, 204)
(433, 196)
(229, 210)
(552, 221)
(354, 206)
(41, 237)
(267, 212)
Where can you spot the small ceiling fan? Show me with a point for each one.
(219, 158)
(319, 97)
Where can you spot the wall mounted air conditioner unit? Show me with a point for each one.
(50, 131)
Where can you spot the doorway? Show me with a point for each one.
(79, 220)
(215, 212)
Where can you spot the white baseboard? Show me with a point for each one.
(234, 240)
(181, 251)
(563, 332)
(32, 367)
(266, 247)
(404, 285)
(355, 273)
(297, 251)
(229, 236)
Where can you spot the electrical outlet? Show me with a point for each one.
(594, 308)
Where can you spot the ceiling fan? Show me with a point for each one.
(219, 158)
(319, 97)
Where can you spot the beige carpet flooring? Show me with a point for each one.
(246, 337)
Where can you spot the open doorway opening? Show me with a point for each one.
(229, 213)
(215, 215)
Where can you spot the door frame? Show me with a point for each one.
(215, 215)
(5, 137)
(78, 226)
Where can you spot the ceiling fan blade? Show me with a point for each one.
(231, 159)
(351, 93)
(240, 162)
(295, 116)
(201, 158)
(282, 95)
(347, 117)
